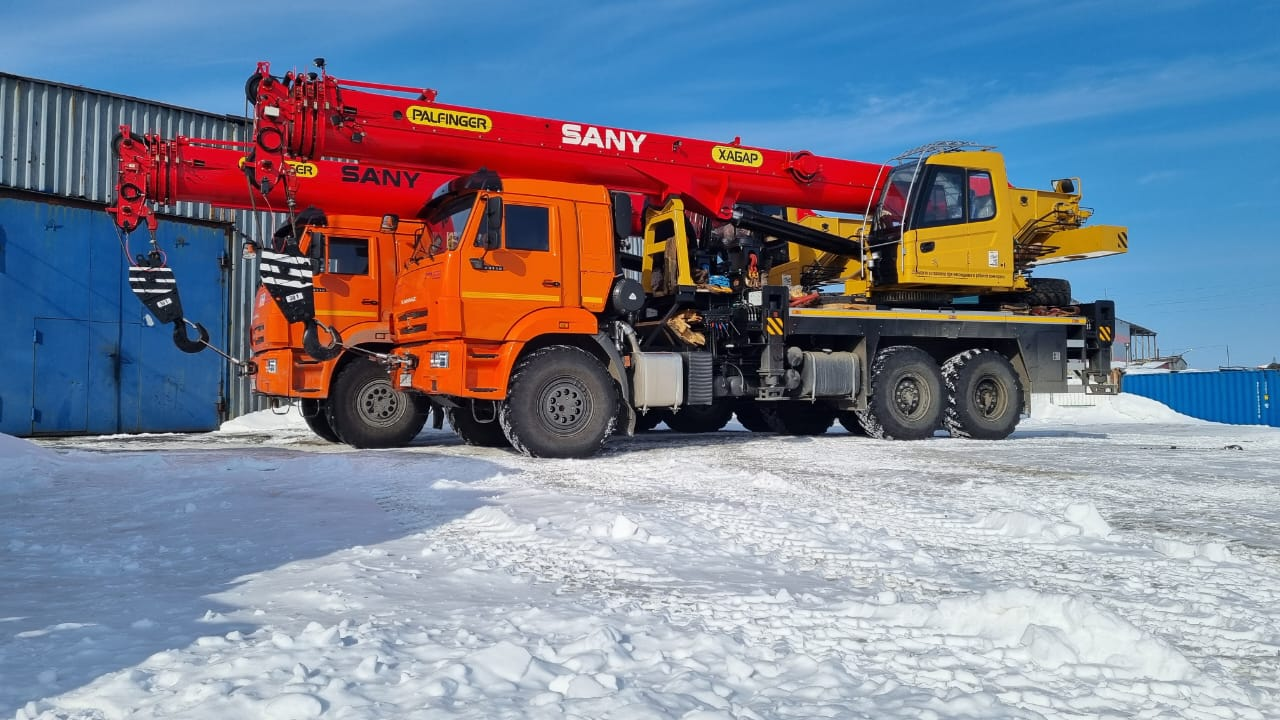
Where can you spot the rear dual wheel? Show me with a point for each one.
(984, 399)
(905, 398)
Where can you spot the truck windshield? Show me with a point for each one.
(446, 220)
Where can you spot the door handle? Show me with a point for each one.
(367, 301)
(551, 283)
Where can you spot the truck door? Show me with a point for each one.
(524, 274)
(347, 291)
(955, 238)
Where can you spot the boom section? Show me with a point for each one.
(153, 171)
(314, 116)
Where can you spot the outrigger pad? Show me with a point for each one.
(287, 277)
(157, 288)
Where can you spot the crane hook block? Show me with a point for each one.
(157, 288)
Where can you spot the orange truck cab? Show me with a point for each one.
(347, 398)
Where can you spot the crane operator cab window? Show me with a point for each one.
(952, 196)
(348, 255)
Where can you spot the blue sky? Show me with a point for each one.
(1169, 111)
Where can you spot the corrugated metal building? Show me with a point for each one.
(62, 273)
(1237, 397)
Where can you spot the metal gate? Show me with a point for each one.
(79, 353)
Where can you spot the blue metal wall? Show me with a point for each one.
(1238, 397)
(55, 139)
(79, 352)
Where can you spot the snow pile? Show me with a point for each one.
(265, 421)
(24, 466)
(1124, 408)
(1053, 631)
(1079, 519)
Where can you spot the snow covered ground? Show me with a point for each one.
(1111, 561)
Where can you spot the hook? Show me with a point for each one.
(311, 341)
(186, 344)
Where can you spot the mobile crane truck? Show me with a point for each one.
(526, 326)
(526, 318)
(343, 288)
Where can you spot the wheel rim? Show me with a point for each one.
(910, 397)
(988, 398)
(380, 405)
(565, 405)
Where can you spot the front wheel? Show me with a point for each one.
(366, 411)
(562, 404)
(986, 397)
(905, 398)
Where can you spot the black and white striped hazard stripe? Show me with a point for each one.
(288, 277)
(290, 271)
(157, 288)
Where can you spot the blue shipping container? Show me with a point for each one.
(1238, 397)
(80, 353)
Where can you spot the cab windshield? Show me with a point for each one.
(897, 191)
(445, 221)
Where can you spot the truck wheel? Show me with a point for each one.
(751, 416)
(700, 418)
(365, 411)
(651, 418)
(486, 433)
(1055, 292)
(849, 420)
(562, 404)
(905, 398)
(984, 395)
(797, 418)
(317, 418)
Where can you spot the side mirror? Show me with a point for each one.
(390, 223)
(492, 230)
(621, 215)
(316, 251)
(1066, 186)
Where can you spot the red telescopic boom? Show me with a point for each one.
(315, 116)
(225, 174)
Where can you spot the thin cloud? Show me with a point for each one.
(977, 111)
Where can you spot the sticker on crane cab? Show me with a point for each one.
(729, 155)
(303, 169)
(450, 119)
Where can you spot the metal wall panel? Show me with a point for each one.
(56, 139)
(78, 351)
(1238, 397)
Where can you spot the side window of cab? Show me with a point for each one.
(528, 227)
(348, 255)
(953, 196)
